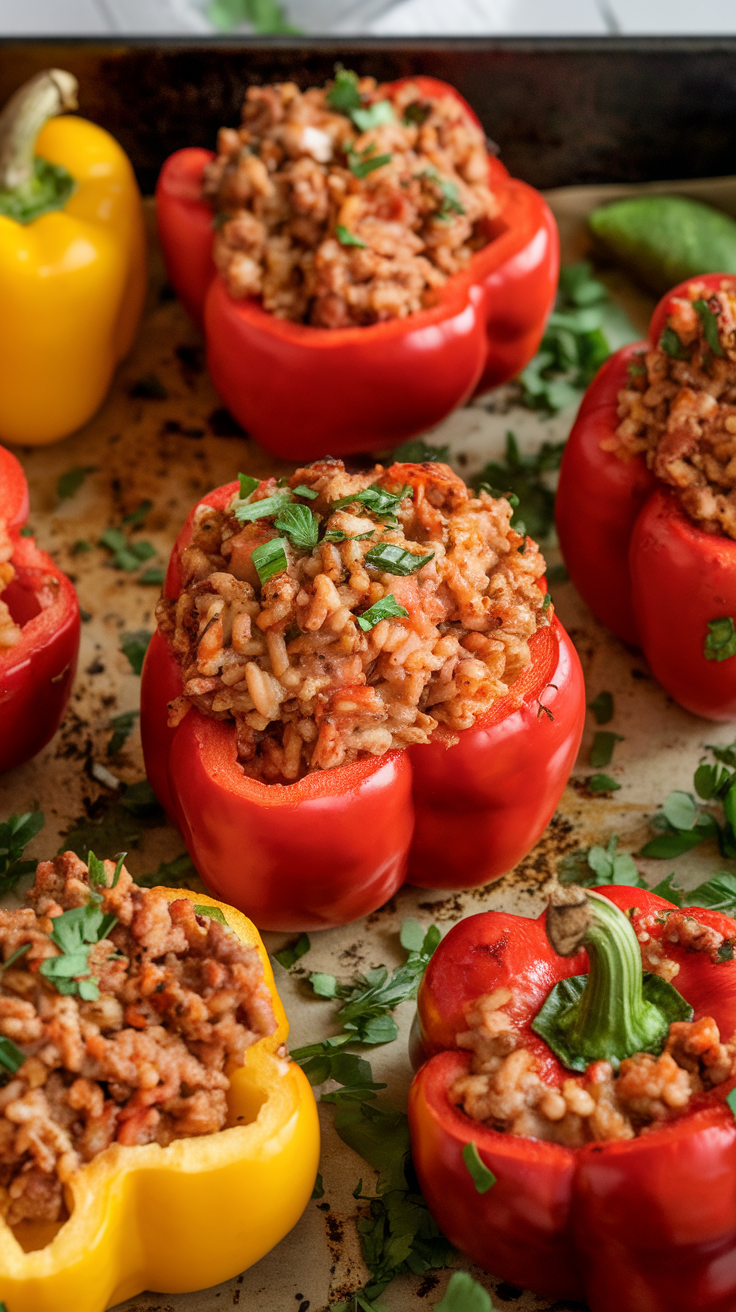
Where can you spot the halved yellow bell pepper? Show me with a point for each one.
(180, 1218)
(73, 279)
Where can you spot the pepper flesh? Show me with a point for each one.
(395, 378)
(649, 1223)
(37, 673)
(180, 1218)
(338, 843)
(641, 564)
(73, 283)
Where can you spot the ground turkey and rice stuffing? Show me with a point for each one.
(350, 204)
(504, 1088)
(679, 408)
(342, 615)
(132, 1051)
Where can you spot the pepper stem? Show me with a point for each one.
(615, 1010)
(45, 95)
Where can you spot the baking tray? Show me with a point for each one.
(172, 448)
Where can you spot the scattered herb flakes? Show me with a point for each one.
(602, 783)
(134, 646)
(720, 642)
(248, 485)
(416, 451)
(464, 1294)
(600, 865)
(482, 1177)
(26, 531)
(451, 203)
(601, 753)
(270, 558)
(547, 602)
(247, 512)
(709, 320)
(84, 615)
(376, 115)
(149, 388)
(672, 346)
(384, 609)
(300, 524)
(602, 708)
(417, 112)
(11, 1059)
(81, 546)
(344, 94)
(72, 480)
(526, 477)
(138, 515)
(179, 873)
(392, 559)
(348, 238)
(361, 163)
(214, 913)
(15, 834)
(289, 955)
(307, 492)
(666, 889)
(153, 576)
(122, 725)
(319, 1189)
(376, 500)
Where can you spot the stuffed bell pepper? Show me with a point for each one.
(72, 262)
(646, 505)
(356, 679)
(39, 629)
(571, 1128)
(360, 262)
(153, 1132)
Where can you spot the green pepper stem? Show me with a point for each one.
(44, 96)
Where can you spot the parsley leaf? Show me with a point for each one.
(525, 477)
(15, 834)
(300, 524)
(717, 893)
(177, 873)
(362, 163)
(417, 451)
(138, 515)
(464, 1294)
(392, 559)
(602, 708)
(373, 116)
(270, 558)
(74, 933)
(344, 95)
(247, 485)
(381, 610)
(307, 492)
(348, 238)
(214, 913)
(602, 783)
(709, 321)
(123, 727)
(720, 642)
(451, 203)
(289, 955)
(11, 1058)
(481, 1175)
(72, 480)
(672, 346)
(246, 512)
(600, 865)
(601, 753)
(135, 646)
(376, 500)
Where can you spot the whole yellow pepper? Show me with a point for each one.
(180, 1218)
(72, 262)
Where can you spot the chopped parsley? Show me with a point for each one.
(270, 558)
(417, 112)
(289, 955)
(720, 642)
(135, 646)
(72, 480)
(300, 524)
(15, 834)
(600, 865)
(709, 322)
(601, 753)
(482, 1177)
(392, 559)
(246, 512)
(417, 451)
(672, 346)
(248, 484)
(122, 726)
(363, 162)
(602, 783)
(381, 610)
(11, 1058)
(373, 116)
(308, 492)
(451, 203)
(526, 479)
(347, 238)
(464, 1294)
(214, 913)
(138, 515)
(344, 95)
(337, 535)
(376, 500)
(602, 707)
(74, 933)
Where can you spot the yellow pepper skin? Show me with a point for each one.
(180, 1218)
(72, 286)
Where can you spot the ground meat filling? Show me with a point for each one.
(308, 685)
(179, 997)
(679, 408)
(334, 222)
(9, 631)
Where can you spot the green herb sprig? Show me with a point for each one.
(15, 834)
(387, 608)
(525, 478)
(392, 559)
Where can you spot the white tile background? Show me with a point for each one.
(382, 17)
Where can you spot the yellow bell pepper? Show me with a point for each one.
(72, 279)
(180, 1218)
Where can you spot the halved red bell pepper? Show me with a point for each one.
(301, 391)
(642, 565)
(339, 843)
(646, 1224)
(37, 672)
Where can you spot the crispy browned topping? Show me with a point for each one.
(288, 661)
(284, 186)
(680, 413)
(179, 996)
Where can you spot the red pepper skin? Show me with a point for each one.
(36, 674)
(647, 1224)
(336, 845)
(352, 388)
(643, 566)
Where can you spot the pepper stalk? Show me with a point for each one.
(30, 186)
(616, 1009)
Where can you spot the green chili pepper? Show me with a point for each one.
(663, 240)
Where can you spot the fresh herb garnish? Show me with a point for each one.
(177, 873)
(602, 707)
(347, 238)
(600, 865)
(96, 868)
(138, 515)
(381, 610)
(248, 484)
(392, 559)
(319, 1189)
(601, 753)
(377, 500)
(416, 451)
(74, 934)
(481, 1175)
(417, 112)
(308, 492)
(363, 162)
(300, 524)
(720, 642)
(525, 478)
(546, 602)
(344, 95)
(72, 480)
(709, 321)
(126, 555)
(451, 203)
(270, 558)
(672, 346)
(373, 116)
(11, 1057)
(289, 955)
(246, 512)
(123, 727)
(135, 646)
(15, 834)
(602, 783)
(153, 576)
(14, 956)
(464, 1294)
(214, 913)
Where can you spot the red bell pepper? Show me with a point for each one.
(643, 566)
(339, 843)
(301, 391)
(37, 672)
(646, 1224)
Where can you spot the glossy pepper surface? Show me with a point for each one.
(302, 391)
(37, 671)
(643, 566)
(646, 1224)
(338, 843)
(184, 1217)
(72, 274)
